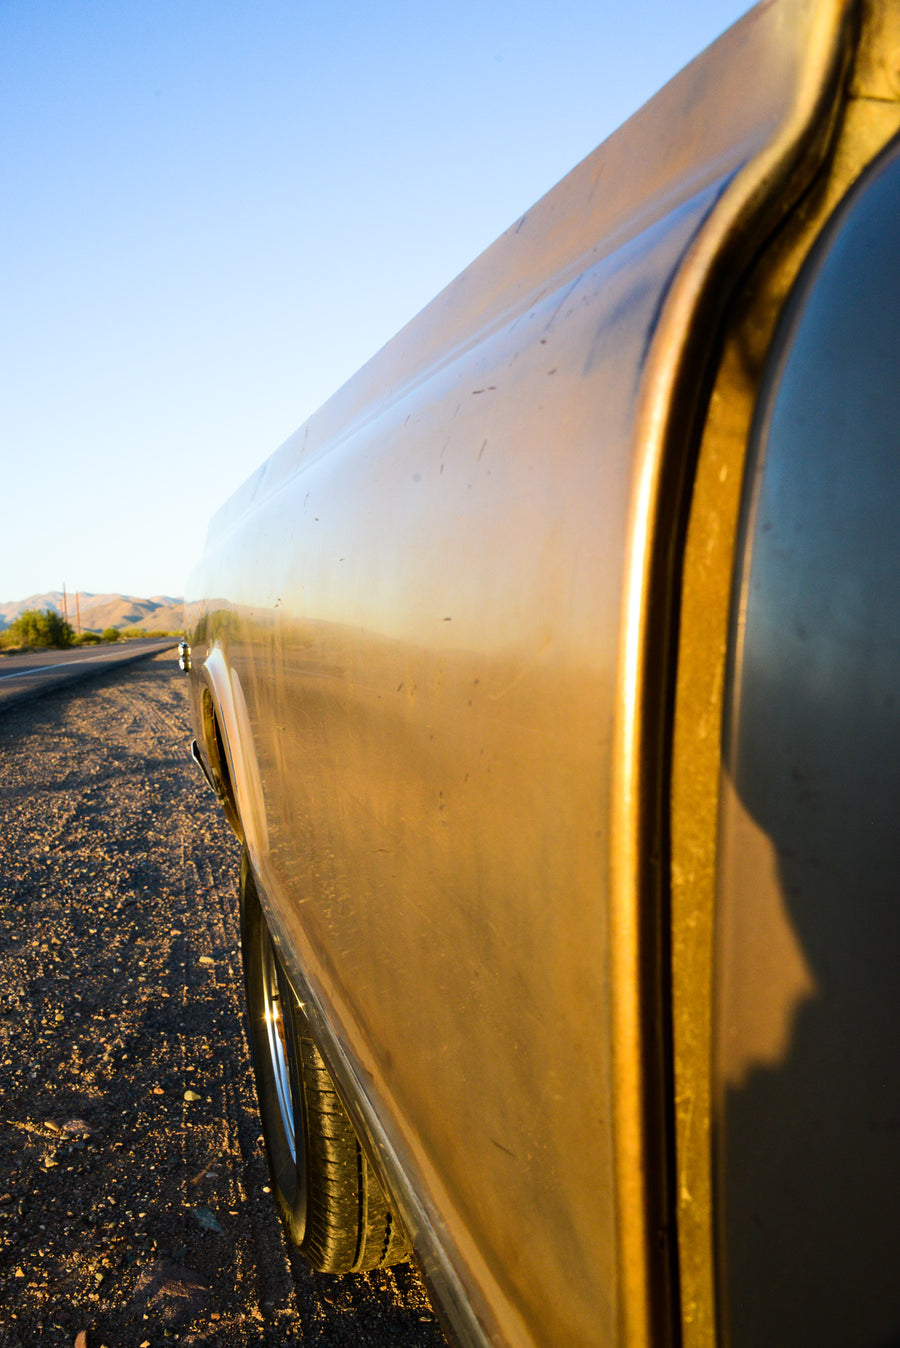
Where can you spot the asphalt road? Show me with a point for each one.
(33, 673)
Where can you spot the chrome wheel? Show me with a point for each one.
(329, 1198)
(276, 1039)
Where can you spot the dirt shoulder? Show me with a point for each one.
(133, 1202)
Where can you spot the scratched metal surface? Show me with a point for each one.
(418, 623)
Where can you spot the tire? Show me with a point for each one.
(329, 1198)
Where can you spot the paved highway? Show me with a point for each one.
(33, 673)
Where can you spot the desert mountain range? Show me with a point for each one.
(97, 611)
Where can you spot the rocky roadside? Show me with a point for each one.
(134, 1205)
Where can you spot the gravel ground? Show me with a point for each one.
(133, 1200)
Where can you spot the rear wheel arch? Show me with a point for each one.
(214, 729)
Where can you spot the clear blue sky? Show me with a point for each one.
(214, 213)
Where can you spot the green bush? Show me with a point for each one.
(88, 639)
(39, 628)
(110, 634)
(146, 633)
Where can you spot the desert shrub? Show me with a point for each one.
(88, 639)
(144, 634)
(110, 634)
(36, 627)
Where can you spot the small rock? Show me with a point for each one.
(19, 1273)
(207, 1219)
(157, 1090)
(170, 1292)
(81, 1339)
(77, 1126)
(205, 959)
(192, 1095)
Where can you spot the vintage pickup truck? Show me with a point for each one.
(550, 678)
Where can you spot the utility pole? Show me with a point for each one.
(65, 605)
(77, 615)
